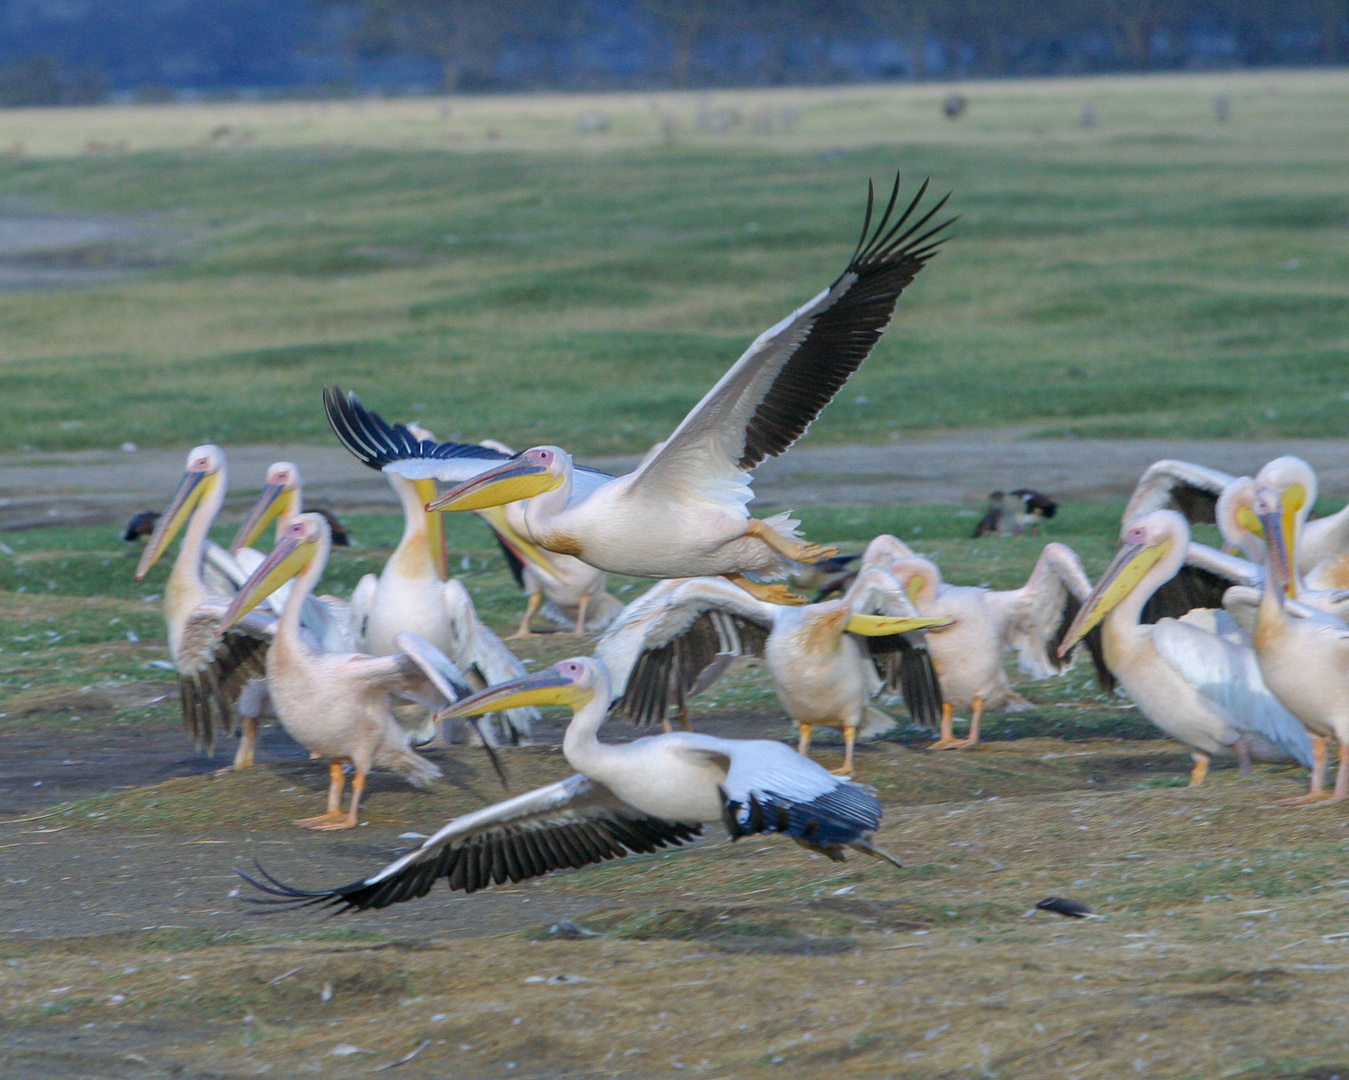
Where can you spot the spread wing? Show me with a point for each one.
(903, 662)
(214, 668)
(1200, 583)
(768, 399)
(1178, 485)
(394, 448)
(884, 550)
(659, 648)
(572, 823)
(1229, 676)
(1039, 613)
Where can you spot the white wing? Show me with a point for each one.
(479, 651)
(770, 396)
(572, 823)
(884, 550)
(1178, 485)
(214, 668)
(1036, 615)
(1229, 676)
(661, 644)
(362, 600)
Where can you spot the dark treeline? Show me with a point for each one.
(55, 52)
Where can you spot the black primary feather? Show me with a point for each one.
(904, 664)
(142, 525)
(513, 560)
(843, 334)
(341, 538)
(842, 815)
(1192, 587)
(1062, 905)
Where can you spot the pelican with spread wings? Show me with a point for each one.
(827, 660)
(683, 513)
(626, 798)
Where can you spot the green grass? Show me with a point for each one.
(1157, 274)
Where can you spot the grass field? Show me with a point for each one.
(1158, 272)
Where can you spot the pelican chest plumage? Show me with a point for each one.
(626, 798)
(1200, 689)
(337, 705)
(827, 660)
(683, 513)
(982, 624)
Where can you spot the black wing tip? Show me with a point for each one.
(281, 895)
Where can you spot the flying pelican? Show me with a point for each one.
(336, 705)
(1303, 653)
(214, 668)
(626, 798)
(983, 624)
(827, 660)
(1198, 688)
(682, 513)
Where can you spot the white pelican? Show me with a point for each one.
(484, 658)
(336, 705)
(827, 660)
(214, 669)
(1303, 652)
(683, 513)
(983, 624)
(626, 798)
(1198, 688)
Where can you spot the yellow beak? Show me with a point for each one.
(435, 528)
(525, 550)
(1121, 577)
(191, 489)
(274, 501)
(885, 625)
(286, 560)
(509, 482)
(545, 688)
(1280, 555)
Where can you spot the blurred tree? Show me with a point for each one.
(43, 80)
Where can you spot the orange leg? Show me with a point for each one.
(849, 737)
(948, 741)
(803, 744)
(523, 631)
(337, 780)
(248, 742)
(1341, 777)
(794, 550)
(581, 615)
(1318, 792)
(1200, 769)
(947, 734)
(776, 593)
(348, 820)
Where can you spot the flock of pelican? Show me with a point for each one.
(1215, 648)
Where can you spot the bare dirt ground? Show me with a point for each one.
(93, 487)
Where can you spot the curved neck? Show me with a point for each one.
(542, 510)
(1120, 628)
(186, 572)
(289, 623)
(415, 556)
(294, 507)
(580, 744)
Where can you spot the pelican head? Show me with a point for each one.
(1143, 544)
(1270, 507)
(295, 549)
(280, 498)
(572, 683)
(529, 473)
(205, 469)
(1291, 481)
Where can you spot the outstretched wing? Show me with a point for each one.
(1200, 583)
(1039, 613)
(884, 550)
(776, 389)
(659, 648)
(1178, 485)
(572, 823)
(214, 668)
(903, 662)
(394, 448)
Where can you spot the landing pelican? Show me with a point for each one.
(682, 513)
(827, 660)
(983, 624)
(1198, 688)
(626, 799)
(336, 705)
(214, 668)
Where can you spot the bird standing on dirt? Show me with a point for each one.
(996, 521)
(1035, 508)
(984, 623)
(683, 513)
(337, 705)
(140, 526)
(627, 798)
(1199, 688)
(827, 660)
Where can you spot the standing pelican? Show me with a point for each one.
(683, 513)
(827, 660)
(983, 624)
(1303, 655)
(336, 705)
(626, 798)
(1198, 688)
(214, 667)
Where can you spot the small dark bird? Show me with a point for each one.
(340, 536)
(995, 521)
(1061, 905)
(1035, 508)
(954, 105)
(141, 526)
(827, 577)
